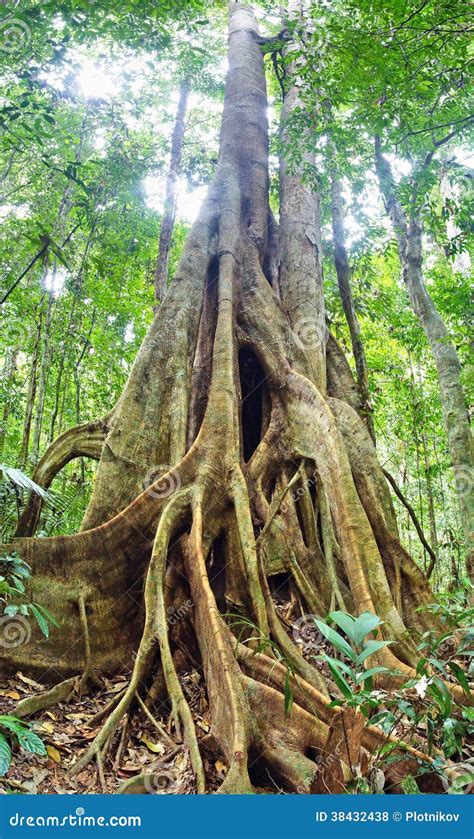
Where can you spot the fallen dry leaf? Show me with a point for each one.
(28, 681)
(53, 753)
(118, 687)
(221, 767)
(156, 748)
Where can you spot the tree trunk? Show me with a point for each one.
(455, 415)
(8, 375)
(31, 393)
(42, 381)
(204, 492)
(171, 194)
(343, 272)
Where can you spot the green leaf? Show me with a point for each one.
(367, 674)
(30, 742)
(343, 686)
(49, 617)
(40, 620)
(5, 755)
(370, 648)
(336, 640)
(22, 481)
(343, 621)
(438, 690)
(364, 624)
(460, 676)
(340, 664)
(11, 723)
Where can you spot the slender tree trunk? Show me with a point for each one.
(8, 375)
(455, 415)
(431, 506)
(171, 194)
(343, 271)
(42, 381)
(31, 392)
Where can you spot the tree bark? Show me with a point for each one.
(84, 440)
(408, 233)
(8, 375)
(31, 392)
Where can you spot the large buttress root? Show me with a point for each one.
(85, 440)
(306, 501)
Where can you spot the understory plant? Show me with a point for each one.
(422, 705)
(14, 571)
(14, 731)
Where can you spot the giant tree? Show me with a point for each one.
(234, 457)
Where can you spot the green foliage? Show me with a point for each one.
(253, 636)
(353, 678)
(14, 571)
(13, 730)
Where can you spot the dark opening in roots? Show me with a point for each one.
(254, 396)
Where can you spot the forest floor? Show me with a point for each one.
(68, 728)
(66, 731)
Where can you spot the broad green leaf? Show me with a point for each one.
(373, 671)
(365, 623)
(336, 640)
(343, 621)
(30, 742)
(343, 686)
(370, 648)
(460, 676)
(5, 755)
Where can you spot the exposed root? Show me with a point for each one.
(230, 718)
(161, 730)
(59, 693)
(85, 440)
